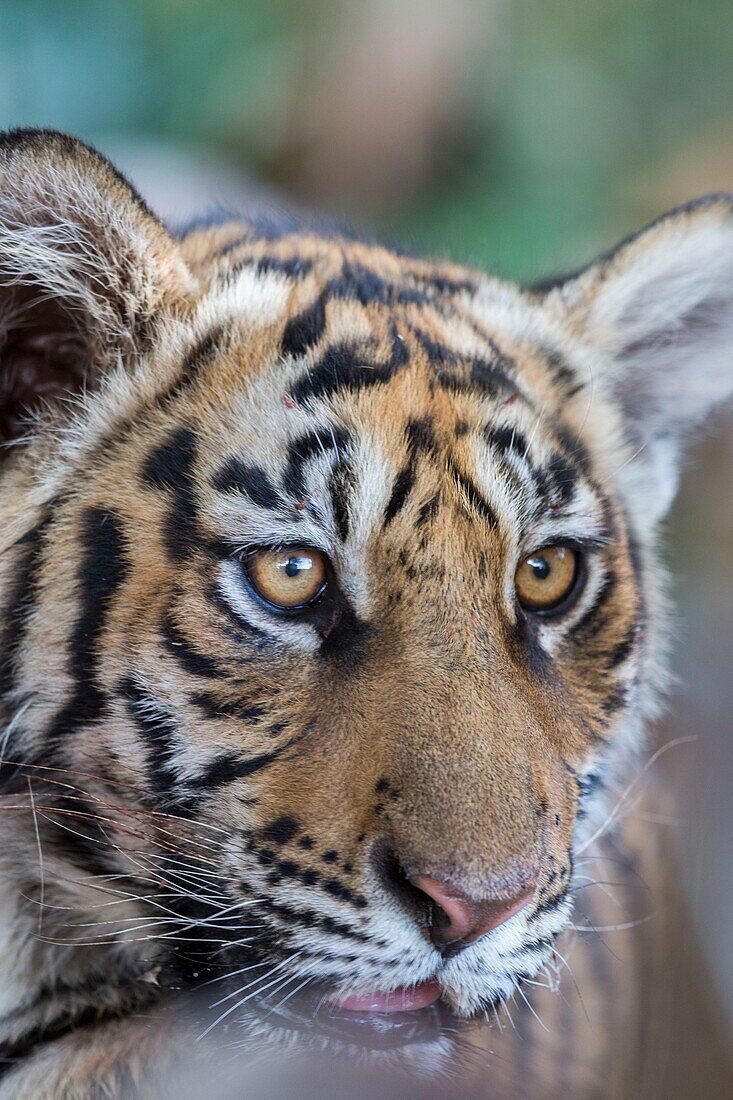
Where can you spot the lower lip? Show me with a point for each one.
(404, 999)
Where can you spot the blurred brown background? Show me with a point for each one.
(521, 137)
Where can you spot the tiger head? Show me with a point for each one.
(329, 593)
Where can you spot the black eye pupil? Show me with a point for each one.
(540, 567)
(292, 567)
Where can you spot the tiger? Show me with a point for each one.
(332, 614)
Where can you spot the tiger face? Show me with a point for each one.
(329, 592)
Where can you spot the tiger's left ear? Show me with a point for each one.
(656, 316)
(86, 271)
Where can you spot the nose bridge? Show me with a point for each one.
(466, 763)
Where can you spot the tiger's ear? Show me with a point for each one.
(656, 316)
(85, 269)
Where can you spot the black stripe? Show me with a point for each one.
(615, 700)
(475, 499)
(342, 367)
(189, 658)
(102, 572)
(19, 606)
(158, 731)
(11, 1054)
(551, 904)
(304, 448)
(367, 287)
(400, 354)
(86, 843)
(170, 467)
(439, 355)
(574, 450)
(468, 376)
(236, 476)
(222, 708)
(420, 435)
(491, 377)
(308, 918)
(562, 372)
(403, 485)
(228, 768)
(589, 624)
(623, 649)
(237, 627)
(196, 359)
(564, 477)
(295, 267)
(339, 487)
(505, 440)
(420, 438)
(305, 330)
(428, 510)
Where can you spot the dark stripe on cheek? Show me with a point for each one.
(574, 449)
(184, 653)
(305, 330)
(221, 708)
(170, 467)
(591, 621)
(103, 570)
(22, 598)
(428, 510)
(238, 477)
(615, 700)
(229, 768)
(623, 649)
(159, 733)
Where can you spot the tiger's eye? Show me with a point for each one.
(289, 579)
(546, 578)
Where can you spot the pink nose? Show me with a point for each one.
(455, 918)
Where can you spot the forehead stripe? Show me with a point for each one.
(342, 367)
(420, 438)
(236, 476)
(332, 438)
(305, 330)
(472, 496)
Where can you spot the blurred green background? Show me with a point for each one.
(517, 136)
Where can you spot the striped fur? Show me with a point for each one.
(192, 786)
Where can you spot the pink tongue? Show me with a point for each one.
(404, 999)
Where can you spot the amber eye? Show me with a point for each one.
(290, 579)
(546, 578)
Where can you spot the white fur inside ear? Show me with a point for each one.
(663, 315)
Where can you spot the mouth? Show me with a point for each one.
(404, 999)
(376, 1021)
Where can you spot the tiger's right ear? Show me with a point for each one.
(85, 271)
